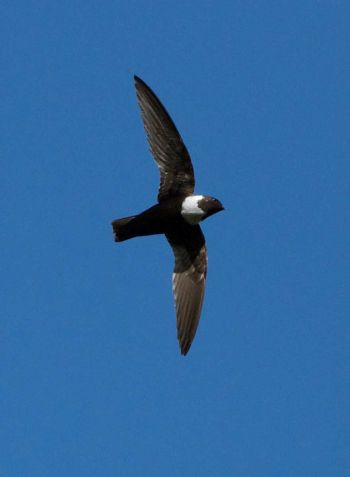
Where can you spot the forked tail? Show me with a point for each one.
(121, 229)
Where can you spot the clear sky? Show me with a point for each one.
(92, 381)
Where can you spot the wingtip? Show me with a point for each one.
(184, 348)
(140, 84)
(138, 80)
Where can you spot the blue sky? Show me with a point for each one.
(92, 381)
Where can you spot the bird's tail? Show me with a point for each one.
(121, 230)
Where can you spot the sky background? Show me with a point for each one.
(92, 381)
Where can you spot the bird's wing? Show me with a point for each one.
(167, 147)
(189, 277)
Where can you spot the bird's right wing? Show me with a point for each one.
(188, 280)
(167, 147)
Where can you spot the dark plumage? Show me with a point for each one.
(176, 215)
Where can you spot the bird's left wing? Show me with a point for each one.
(189, 278)
(167, 147)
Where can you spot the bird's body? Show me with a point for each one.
(164, 217)
(176, 215)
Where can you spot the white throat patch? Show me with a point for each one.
(190, 210)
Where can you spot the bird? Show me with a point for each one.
(176, 214)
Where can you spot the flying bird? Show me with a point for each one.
(177, 213)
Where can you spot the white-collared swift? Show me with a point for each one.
(176, 215)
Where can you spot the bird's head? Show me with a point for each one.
(197, 208)
(210, 206)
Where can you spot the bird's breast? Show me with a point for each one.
(190, 210)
